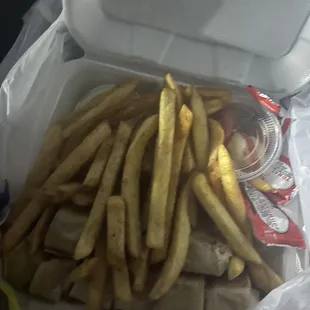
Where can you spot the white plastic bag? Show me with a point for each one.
(28, 102)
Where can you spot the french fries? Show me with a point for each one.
(91, 230)
(178, 249)
(119, 192)
(83, 270)
(71, 165)
(41, 170)
(96, 169)
(212, 205)
(171, 83)
(131, 182)
(183, 127)
(37, 235)
(223, 94)
(263, 277)
(235, 267)
(261, 185)
(141, 273)
(98, 278)
(111, 104)
(212, 106)
(116, 231)
(161, 170)
(200, 131)
(216, 139)
(234, 198)
(121, 281)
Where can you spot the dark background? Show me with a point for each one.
(11, 22)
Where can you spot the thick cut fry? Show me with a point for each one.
(188, 164)
(216, 183)
(94, 98)
(220, 216)
(23, 223)
(97, 282)
(71, 165)
(263, 277)
(178, 249)
(161, 170)
(84, 199)
(37, 235)
(82, 271)
(61, 193)
(235, 267)
(116, 231)
(96, 169)
(200, 131)
(111, 104)
(234, 198)
(183, 127)
(121, 281)
(223, 94)
(131, 182)
(141, 273)
(216, 139)
(261, 185)
(94, 223)
(143, 105)
(43, 166)
(212, 106)
(171, 83)
(193, 209)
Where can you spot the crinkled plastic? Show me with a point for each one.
(49, 80)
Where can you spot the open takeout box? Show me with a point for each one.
(101, 42)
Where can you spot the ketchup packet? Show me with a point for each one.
(271, 225)
(280, 177)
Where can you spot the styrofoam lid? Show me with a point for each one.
(264, 43)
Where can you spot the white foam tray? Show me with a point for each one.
(263, 43)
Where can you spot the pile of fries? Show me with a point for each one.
(128, 162)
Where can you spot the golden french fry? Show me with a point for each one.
(216, 133)
(37, 235)
(161, 170)
(188, 164)
(112, 103)
(178, 249)
(23, 223)
(131, 182)
(171, 83)
(223, 94)
(145, 104)
(83, 270)
(193, 210)
(212, 106)
(140, 275)
(220, 216)
(216, 183)
(61, 193)
(148, 157)
(235, 267)
(261, 185)
(84, 199)
(43, 166)
(91, 230)
(234, 198)
(200, 131)
(116, 231)
(182, 130)
(95, 97)
(96, 169)
(71, 165)
(121, 281)
(263, 277)
(97, 282)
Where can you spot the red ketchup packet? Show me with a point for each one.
(280, 177)
(271, 225)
